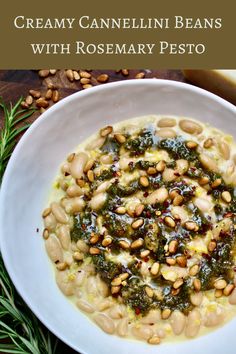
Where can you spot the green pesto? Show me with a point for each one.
(177, 149)
(84, 224)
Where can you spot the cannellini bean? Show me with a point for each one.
(168, 175)
(85, 306)
(166, 122)
(193, 323)
(59, 213)
(180, 212)
(82, 246)
(182, 166)
(68, 259)
(117, 311)
(65, 283)
(224, 226)
(106, 159)
(122, 327)
(190, 126)
(177, 322)
(50, 222)
(102, 287)
(74, 191)
(63, 233)
(232, 297)
(104, 304)
(144, 269)
(96, 144)
(142, 332)
(74, 205)
(105, 323)
(214, 318)
(98, 201)
(54, 249)
(80, 278)
(204, 204)
(91, 286)
(208, 162)
(103, 187)
(124, 163)
(159, 196)
(166, 133)
(77, 165)
(173, 272)
(196, 298)
(224, 150)
(153, 316)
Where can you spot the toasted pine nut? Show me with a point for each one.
(94, 250)
(125, 72)
(137, 243)
(124, 244)
(41, 102)
(61, 266)
(191, 226)
(89, 165)
(94, 238)
(194, 270)
(211, 246)
(144, 254)
(85, 74)
(173, 245)
(197, 284)
(123, 276)
(140, 75)
(191, 144)
(160, 166)
(165, 314)
(43, 73)
(107, 241)
(170, 261)
(85, 81)
(182, 261)
(216, 183)
(102, 78)
(55, 96)
(120, 138)
(220, 284)
(115, 289)
(166, 123)
(151, 171)
(143, 180)
(208, 143)
(169, 221)
(90, 175)
(178, 200)
(137, 224)
(149, 291)
(29, 100)
(203, 180)
(121, 210)
(78, 256)
(155, 268)
(154, 340)
(34, 93)
(116, 281)
(45, 234)
(178, 283)
(106, 131)
(76, 75)
(226, 196)
(46, 212)
(218, 293)
(139, 209)
(228, 289)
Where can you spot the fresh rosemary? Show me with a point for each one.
(20, 331)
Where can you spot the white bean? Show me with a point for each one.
(153, 316)
(74, 205)
(65, 283)
(63, 233)
(196, 298)
(193, 323)
(166, 133)
(168, 175)
(102, 287)
(82, 246)
(117, 312)
(74, 191)
(91, 286)
(232, 297)
(208, 162)
(77, 165)
(106, 159)
(224, 150)
(96, 144)
(105, 323)
(50, 222)
(54, 249)
(158, 196)
(205, 205)
(166, 122)
(182, 166)
(85, 306)
(102, 187)
(80, 278)
(214, 318)
(122, 327)
(181, 212)
(190, 126)
(177, 322)
(142, 332)
(98, 201)
(104, 304)
(59, 213)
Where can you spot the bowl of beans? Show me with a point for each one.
(123, 215)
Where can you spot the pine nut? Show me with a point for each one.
(178, 200)
(216, 183)
(24, 105)
(41, 102)
(149, 291)
(86, 86)
(140, 75)
(61, 266)
(139, 209)
(121, 210)
(106, 241)
(29, 100)
(160, 166)
(194, 270)
(103, 78)
(154, 340)
(151, 171)
(45, 234)
(106, 131)
(137, 243)
(48, 95)
(125, 72)
(80, 182)
(208, 143)
(76, 75)
(123, 276)
(35, 94)
(220, 284)
(228, 289)
(169, 221)
(226, 196)
(191, 144)
(94, 238)
(165, 314)
(155, 268)
(191, 226)
(178, 283)
(89, 165)
(211, 246)
(69, 75)
(124, 244)
(94, 250)
(115, 289)
(52, 71)
(143, 180)
(55, 96)
(116, 281)
(218, 293)
(46, 212)
(173, 246)
(144, 254)
(43, 73)
(203, 180)
(120, 138)
(78, 256)
(170, 261)
(85, 81)
(137, 224)
(197, 284)
(90, 176)
(182, 261)
(85, 74)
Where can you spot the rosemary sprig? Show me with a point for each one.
(20, 331)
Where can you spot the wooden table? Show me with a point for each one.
(16, 83)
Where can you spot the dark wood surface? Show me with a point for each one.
(17, 83)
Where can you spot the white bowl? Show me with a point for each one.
(27, 182)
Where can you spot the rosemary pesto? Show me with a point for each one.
(141, 228)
